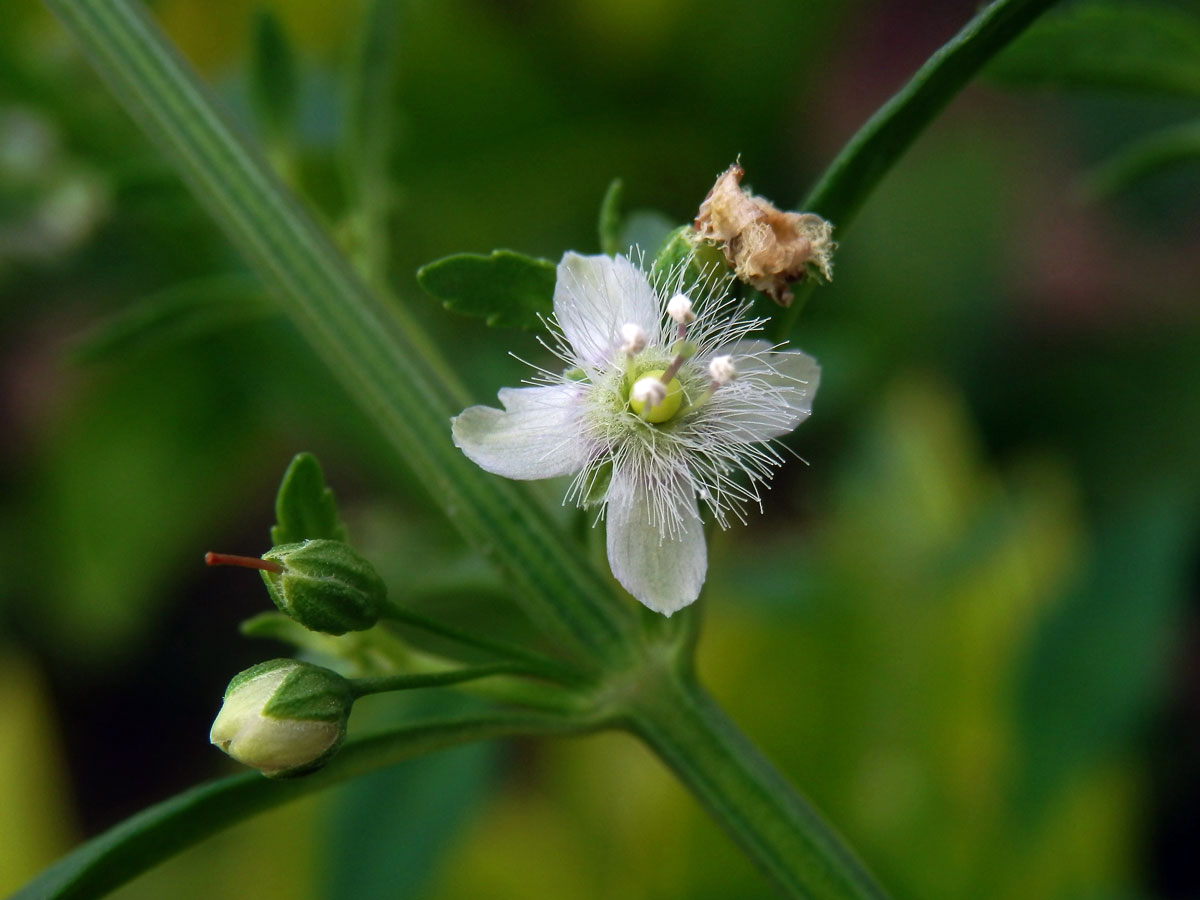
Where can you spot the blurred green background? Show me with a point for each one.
(967, 628)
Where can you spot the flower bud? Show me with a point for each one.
(283, 717)
(325, 586)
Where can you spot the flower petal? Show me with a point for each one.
(662, 564)
(594, 296)
(536, 436)
(773, 392)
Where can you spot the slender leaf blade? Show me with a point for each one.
(1108, 46)
(1154, 153)
(609, 223)
(274, 84)
(870, 154)
(177, 314)
(370, 132)
(155, 834)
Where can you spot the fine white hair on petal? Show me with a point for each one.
(663, 571)
(594, 296)
(536, 436)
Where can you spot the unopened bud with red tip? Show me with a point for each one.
(283, 717)
(324, 585)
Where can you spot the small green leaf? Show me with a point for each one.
(273, 81)
(1108, 46)
(180, 313)
(369, 135)
(304, 507)
(507, 289)
(1154, 153)
(609, 224)
(645, 228)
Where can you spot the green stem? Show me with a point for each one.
(364, 686)
(158, 833)
(536, 662)
(863, 162)
(764, 814)
(382, 359)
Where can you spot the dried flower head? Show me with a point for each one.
(767, 248)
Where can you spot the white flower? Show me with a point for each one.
(648, 456)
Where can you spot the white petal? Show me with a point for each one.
(536, 436)
(773, 392)
(663, 571)
(595, 296)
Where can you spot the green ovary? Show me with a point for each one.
(663, 411)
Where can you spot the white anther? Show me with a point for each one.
(679, 308)
(722, 370)
(634, 338)
(649, 392)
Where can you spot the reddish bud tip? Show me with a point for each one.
(246, 562)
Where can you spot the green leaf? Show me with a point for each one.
(369, 133)
(1154, 153)
(274, 88)
(868, 156)
(609, 224)
(1099, 661)
(304, 507)
(180, 313)
(1108, 46)
(647, 229)
(389, 857)
(155, 834)
(507, 289)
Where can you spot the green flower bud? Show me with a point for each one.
(325, 586)
(283, 717)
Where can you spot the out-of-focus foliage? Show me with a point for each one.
(957, 628)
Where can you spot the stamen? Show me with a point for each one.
(634, 338)
(679, 308)
(722, 370)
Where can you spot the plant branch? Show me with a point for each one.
(885, 137)
(158, 833)
(745, 794)
(379, 355)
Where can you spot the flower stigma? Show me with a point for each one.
(655, 401)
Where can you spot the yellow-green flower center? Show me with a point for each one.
(660, 412)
